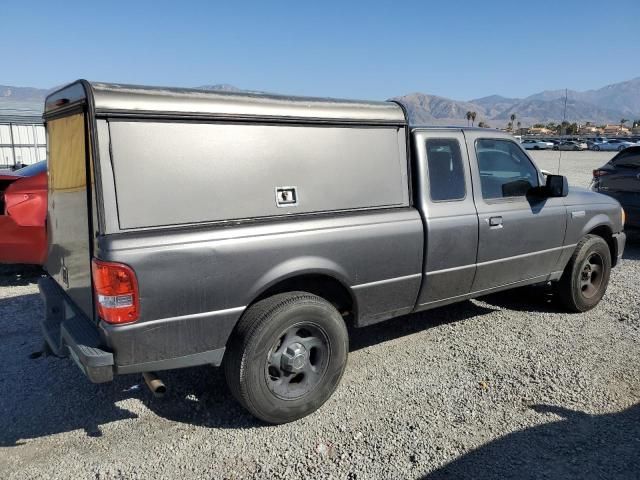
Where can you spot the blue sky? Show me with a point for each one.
(371, 50)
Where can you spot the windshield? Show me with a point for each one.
(32, 170)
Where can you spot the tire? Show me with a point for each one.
(596, 148)
(576, 149)
(592, 259)
(286, 356)
(621, 147)
(556, 148)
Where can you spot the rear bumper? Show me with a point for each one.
(633, 215)
(70, 334)
(102, 351)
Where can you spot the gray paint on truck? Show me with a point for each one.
(206, 238)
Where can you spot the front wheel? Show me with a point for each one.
(556, 148)
(286, 356)
(621, 147)
(596, 148)
(586, 276)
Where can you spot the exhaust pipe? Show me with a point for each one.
(156, 385)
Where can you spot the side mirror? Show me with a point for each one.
(557, 186)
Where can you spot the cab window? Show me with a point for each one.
(446, 173)
(505, 171)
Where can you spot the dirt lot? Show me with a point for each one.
(502, 387)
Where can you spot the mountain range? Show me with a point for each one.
(608, 104)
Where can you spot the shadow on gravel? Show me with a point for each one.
(413, 323)
(580, 446)
(48, 395)
(525, 299)
(19, 275)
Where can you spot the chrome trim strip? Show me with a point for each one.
(226, 311)
(499, 260)
(386, 280)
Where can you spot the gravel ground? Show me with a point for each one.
(502, 387)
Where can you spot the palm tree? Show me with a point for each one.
(622, 122)
(513, 119)
(519, 125)
(468, 117)
(509, 126)
(473, 118)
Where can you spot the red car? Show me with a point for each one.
(23, 210)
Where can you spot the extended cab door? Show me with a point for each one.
(445, 198)
(520, 238)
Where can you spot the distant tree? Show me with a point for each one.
(636, 123)
(519, 126)
(484, 125)
(513, 118)
(473, 118)
(510, 126)
(468, 117)
(539, 125)
(623, 121)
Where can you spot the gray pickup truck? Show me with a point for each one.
(247, 231)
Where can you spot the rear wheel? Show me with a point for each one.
(621, 147)
(286, 356)
(596, 148)
(556, 147)
(586, 276)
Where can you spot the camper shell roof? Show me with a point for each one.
(109, 99)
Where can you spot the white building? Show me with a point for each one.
(22, 140)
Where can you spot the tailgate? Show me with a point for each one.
(69, 260)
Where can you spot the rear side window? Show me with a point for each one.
(505, 171)
(628, 158)
(446, 173)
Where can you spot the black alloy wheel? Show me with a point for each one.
(297, 362)
(586, 276)
(286, 356)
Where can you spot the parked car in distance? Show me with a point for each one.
(23, 209)
(620, 179)
(299, 217)
(533, 144)
(570, 145)
(612, 145)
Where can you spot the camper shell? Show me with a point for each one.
(186, 187)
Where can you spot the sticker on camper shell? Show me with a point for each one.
(286, 196)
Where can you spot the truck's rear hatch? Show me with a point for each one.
(69, 259)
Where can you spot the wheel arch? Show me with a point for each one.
(313, 275)
(605, 232)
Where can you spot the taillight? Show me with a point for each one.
(600, 173)
(116, 290)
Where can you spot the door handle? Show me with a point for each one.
(495, 221)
